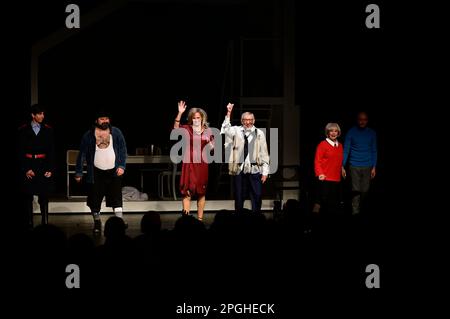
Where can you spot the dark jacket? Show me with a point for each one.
(87, 152)
(30, 144)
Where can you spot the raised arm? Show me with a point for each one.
(226, 125)
(229, 109)
(181, 109)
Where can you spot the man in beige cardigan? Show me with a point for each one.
(248, 161)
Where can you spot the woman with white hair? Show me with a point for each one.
(328, 170)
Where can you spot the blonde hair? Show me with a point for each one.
(203, 115)
(331, 126)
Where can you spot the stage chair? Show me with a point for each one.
(71, 161)
(287, 178)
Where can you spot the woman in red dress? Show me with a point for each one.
(194, 172)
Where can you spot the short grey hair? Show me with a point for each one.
(331, 126)
(247, 113)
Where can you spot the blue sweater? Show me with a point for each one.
(87, 152)
(360, 147)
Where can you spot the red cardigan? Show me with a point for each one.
(328, 161)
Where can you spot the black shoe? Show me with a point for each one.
(97, 227)
(44, 213)
(184, 213)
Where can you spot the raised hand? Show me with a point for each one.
(181, 107)
(230, 107)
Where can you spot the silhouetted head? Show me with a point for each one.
(224, 221)
(151, 223)
(188, 225)
(114, 228)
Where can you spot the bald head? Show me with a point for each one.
(362, 119)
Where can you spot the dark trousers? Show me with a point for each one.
(360, 177)
(106, 184)
(329, 197)
(245, 184)
(28, 208)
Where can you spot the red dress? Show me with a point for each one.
(194, 172)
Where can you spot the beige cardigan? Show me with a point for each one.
(235, 139)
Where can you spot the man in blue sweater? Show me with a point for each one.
(360, 150)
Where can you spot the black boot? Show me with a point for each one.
(97, 223)
(97, 227)
(44, 213)
(29, 212)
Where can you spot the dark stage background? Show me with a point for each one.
(141, 60)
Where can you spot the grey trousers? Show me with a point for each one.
(360, 178)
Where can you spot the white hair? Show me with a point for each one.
(248, 113)
(331, 126)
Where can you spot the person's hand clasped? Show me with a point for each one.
(29, 174)
(48, 174)
(120, 171)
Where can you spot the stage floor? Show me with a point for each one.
(78, 205)
(73, 216)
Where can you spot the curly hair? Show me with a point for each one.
(203, 115)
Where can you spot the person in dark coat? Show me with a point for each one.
(104, 150)
(36, 156)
